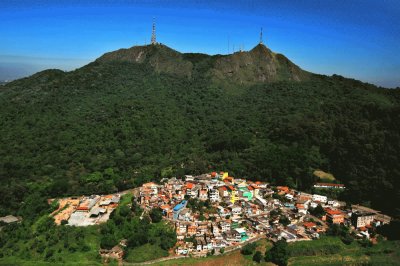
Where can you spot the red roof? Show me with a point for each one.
(286, 189)
(250, 188)
(223, 188)
(309, 224)
(333, 212)
(189, 185)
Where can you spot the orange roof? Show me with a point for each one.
(363, 228)
(189, 185)
(213, 174)
(258, 182)
(250, 188)
(283, 188)
(231, 188)
(165, 207)
(300, 206)
(149, 184)
(333, 212)
(223, 188)
(309, 224)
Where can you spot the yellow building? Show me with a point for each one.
(234, 196)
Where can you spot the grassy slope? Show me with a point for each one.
(332, 251)
(328, 251)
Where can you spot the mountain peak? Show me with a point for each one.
(259, 64)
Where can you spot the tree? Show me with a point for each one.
(108, 241)
(318, 211)
(284, 220)
(347, 239)
(248, 249)
(391, 231)
(156, 215)
(257, 257)
(278, 254)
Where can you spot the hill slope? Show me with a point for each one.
(145, 112)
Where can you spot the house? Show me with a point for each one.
(319, 198)
(309, 225)
(178, 208)
(185, 215)
(152, 187)
(334, 216)
(215, 229)
(236, 210)
(225, 226)
(289, 196)
(242, 233)
(232, 236)
(223, 191)
(214, 195)
(234, 195)
(200, 244)
(181, 228)
(182, 250)
(191, 230)
(361, 219)
(329, 185)
(282, 190)
(189, 189)
(203, 194)
(95, 212)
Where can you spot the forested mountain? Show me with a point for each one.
(138, 114)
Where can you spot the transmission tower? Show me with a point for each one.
(153, 33)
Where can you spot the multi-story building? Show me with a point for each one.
(361, 219)
(214, 195)
(334, 216)
(319, 198)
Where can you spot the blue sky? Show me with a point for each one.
(354, 38)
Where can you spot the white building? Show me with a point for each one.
(319, 198)
(214, 195)
(225, 227)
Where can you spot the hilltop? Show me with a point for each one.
(259, 64)
(147, 112)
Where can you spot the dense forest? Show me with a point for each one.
(120, 121)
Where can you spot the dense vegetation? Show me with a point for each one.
(114, 124)
(38, 239)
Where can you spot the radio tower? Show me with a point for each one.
(153, 33)
(261, 38)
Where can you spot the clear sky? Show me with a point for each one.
(354, 38)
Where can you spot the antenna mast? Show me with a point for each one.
(153, 33)
(261, 37)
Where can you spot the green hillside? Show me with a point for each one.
(142, 113)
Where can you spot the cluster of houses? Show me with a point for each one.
(85, 210)
(234, 211)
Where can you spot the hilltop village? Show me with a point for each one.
(214, 211)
